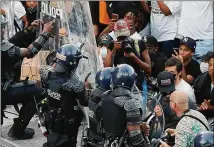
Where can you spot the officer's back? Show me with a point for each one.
(114, 116)
(121, 113)
(102, 80)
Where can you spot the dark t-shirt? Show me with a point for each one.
(120, 7)
(158, 63)
(119, 58)
(202, 89)
(123, 7)
(193, 69)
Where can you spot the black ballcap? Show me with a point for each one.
(150, 40)
(206, 57)
(166, 81)
(189, 42)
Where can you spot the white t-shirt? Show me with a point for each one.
(19, 11)
(196, 19)
(135, 36)
(185, 87)
(164, 27)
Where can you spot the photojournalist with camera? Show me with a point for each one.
(128, 51)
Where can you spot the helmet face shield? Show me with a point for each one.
(68, 56)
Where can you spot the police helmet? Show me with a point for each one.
(123, 76)
(204, 139)
(103, 78)
(3, 21)
(68, 56)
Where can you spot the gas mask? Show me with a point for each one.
(203, 67)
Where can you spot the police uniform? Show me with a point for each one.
(103, 81)
(95, 135)
(65, 92)
(18, 92)
(120, 109)
(13, 91)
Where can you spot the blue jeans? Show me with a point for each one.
(202, 47)
(167, 47)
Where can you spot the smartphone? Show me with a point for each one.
(115, 17)
(177, 50)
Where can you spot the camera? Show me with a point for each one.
(127, 45)
(170, 140)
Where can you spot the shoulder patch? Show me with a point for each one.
(5, 45)
(120, 101)
(44, 71)
(132, 104)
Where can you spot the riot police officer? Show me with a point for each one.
(204, 139)
(65, 92)
(121, 112)
(14, 92)
(103, 81)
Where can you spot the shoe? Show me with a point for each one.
(19, 131)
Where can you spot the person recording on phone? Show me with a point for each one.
(129, 51)
(132, 17)
(191, 68)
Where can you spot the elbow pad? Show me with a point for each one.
(37, 45)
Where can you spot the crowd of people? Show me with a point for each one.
(159, 46)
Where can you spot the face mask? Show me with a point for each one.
(31, 9)
(203, 67)
(103, 52)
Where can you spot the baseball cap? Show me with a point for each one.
(206, 57)
(150, 40)
(105, 40)
(189, 42)
(166, 82)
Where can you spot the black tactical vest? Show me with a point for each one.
(114, 117)
(94, 111)
(58, 98)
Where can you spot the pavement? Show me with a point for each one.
(36, 141)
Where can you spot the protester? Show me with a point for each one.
(196, 21)
(174, 66)
(158, 59)
(191, 121)
(164, 24)
(190, 67)
(204, 91)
